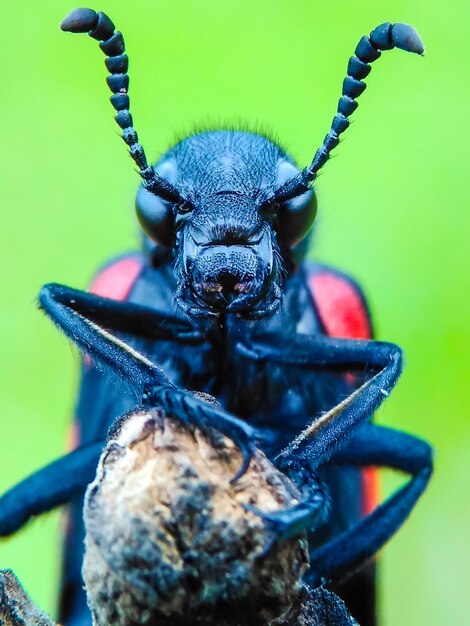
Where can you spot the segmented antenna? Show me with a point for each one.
(99, 26)
(385, 37)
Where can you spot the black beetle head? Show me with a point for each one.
(228, 238)
(229, 203)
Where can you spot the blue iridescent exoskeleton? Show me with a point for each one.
(222, 304)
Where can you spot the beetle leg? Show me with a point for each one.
(372, 446)
(327, 432)
(85, 328)
(379, 446)
(73, 312)
(126, 317)
(344, 435)
(191, 409)
(296, 519)
(53, 485)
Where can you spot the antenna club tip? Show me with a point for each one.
(79, 21)
(406, 38)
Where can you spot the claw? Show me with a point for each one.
(242, 436)
(247, 449)
(292, 521)
(191, 409)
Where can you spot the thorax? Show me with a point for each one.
(278, 399)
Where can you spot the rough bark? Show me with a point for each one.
(16, 607)
(168, 537)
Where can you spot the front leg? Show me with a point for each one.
(343, 435)
(96, 325)
(327, 432)
(131, 318)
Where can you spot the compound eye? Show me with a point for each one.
(296, 216)
(156, 217)
(155, 214)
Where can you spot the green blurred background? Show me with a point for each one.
(393, 211)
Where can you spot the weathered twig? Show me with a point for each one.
(16, 607)
(169, 541)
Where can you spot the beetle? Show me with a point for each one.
(221, 300)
